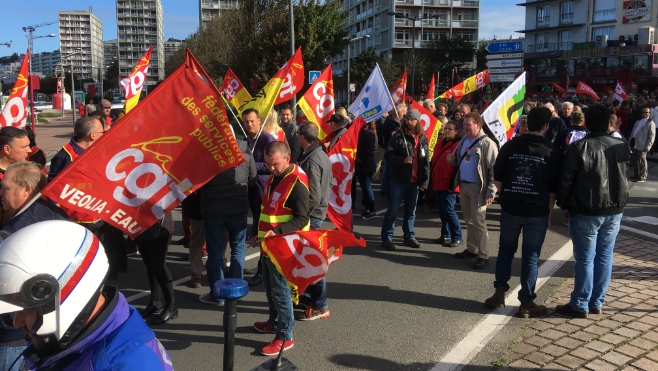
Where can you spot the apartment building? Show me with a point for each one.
(44, 63)
(111, 48)
(211, 8)
(594, 41)
(140, 25)
(81, 32)
(389, 35)
(171, 46)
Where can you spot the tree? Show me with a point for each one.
(111, 75)
(253, 40)
(445, 54)
(481, 54)
(48, 85)
(362, 66)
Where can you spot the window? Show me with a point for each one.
(433, 35)
(600, 31)
(466, 16)
(378, 39)
(566, 12)
(402, 21)
(566, 40)
(543, 16)
(612, 62)
(541, 42)
(604, 11)
(402, 37)
(466, 35)
(641, 64)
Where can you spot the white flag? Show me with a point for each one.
(374, 100)
(504, 113)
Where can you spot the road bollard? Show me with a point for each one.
(230, 289)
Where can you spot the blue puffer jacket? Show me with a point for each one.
(118, 339)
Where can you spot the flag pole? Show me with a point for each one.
(228, 105)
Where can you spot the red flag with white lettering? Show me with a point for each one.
(234, 90)
(431, 124)
(318, 102)
(620, 93)
(342, 157)
(294, 79)
(141, 169)
(15, 111)
(399, 89)
(586, 89)
(304, 257)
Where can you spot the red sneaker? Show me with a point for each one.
(274, 347)
(264, 327)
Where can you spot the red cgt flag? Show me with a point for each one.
(431, 124)
(304, 257)
(620, 93)
(432, 89)
(15, 111)
(294, 79)
(342, 157)
(399, 90)
(234, 90)
(140, 170)
(559, 90)
(586, 89)
(318, 102)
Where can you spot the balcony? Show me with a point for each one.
(566, 46)
(566, 18)
(544, 21)
(436, 23)
(607, 15)
(465, 24)
(547, 47)
(466, 3)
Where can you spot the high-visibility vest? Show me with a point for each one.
(272, 210)
(75, 216)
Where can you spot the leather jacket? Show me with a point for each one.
(593, 177)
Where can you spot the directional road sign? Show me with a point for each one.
(501, 78)
(505, 47)
(312, 76)
(504, 56)
(505, 70)
(496, 63)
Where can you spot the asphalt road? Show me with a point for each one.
(390, 310)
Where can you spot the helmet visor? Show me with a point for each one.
(20, 289)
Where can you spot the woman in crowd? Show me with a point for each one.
(442, 173)
(271, 126)
(365, 167)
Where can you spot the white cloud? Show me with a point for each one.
(502, 21)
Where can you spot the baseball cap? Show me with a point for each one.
(106, 103)
(413, 113)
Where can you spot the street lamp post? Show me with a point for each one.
(29, 63)
(413, 40)
(72, 82)
(349, 91)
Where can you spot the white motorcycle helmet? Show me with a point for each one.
(56, 268)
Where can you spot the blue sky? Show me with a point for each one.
(181, 17)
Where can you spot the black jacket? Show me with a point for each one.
(290, 129)
(226, 193)
(396, 153)
(388, 130)
(555, 127)
(365, 151)
(593, 176)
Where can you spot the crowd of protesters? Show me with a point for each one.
(571, 153)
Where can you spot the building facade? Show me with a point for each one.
(111, 48)
(140, 25)
(171, 45)
(594, 41)
(212, 8)
(45, 62)
(81, 32)
(389, 35)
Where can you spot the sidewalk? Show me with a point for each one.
(624, 337)
(51, 136)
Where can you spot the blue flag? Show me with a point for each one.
(374, 100)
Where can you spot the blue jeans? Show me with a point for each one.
(279, 300)
(593, 245)
(365, 181)
(8, 355)
(384, 180)
(214, 226)
(317, 292)
(450, 227)
(397, 193)
(534, 232)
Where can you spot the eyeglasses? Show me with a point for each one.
(448, 129)
(99, 132)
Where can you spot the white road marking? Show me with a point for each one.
(181, 280)
(640, 232)
(642, 219)
(640, 188)
(462, 353)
